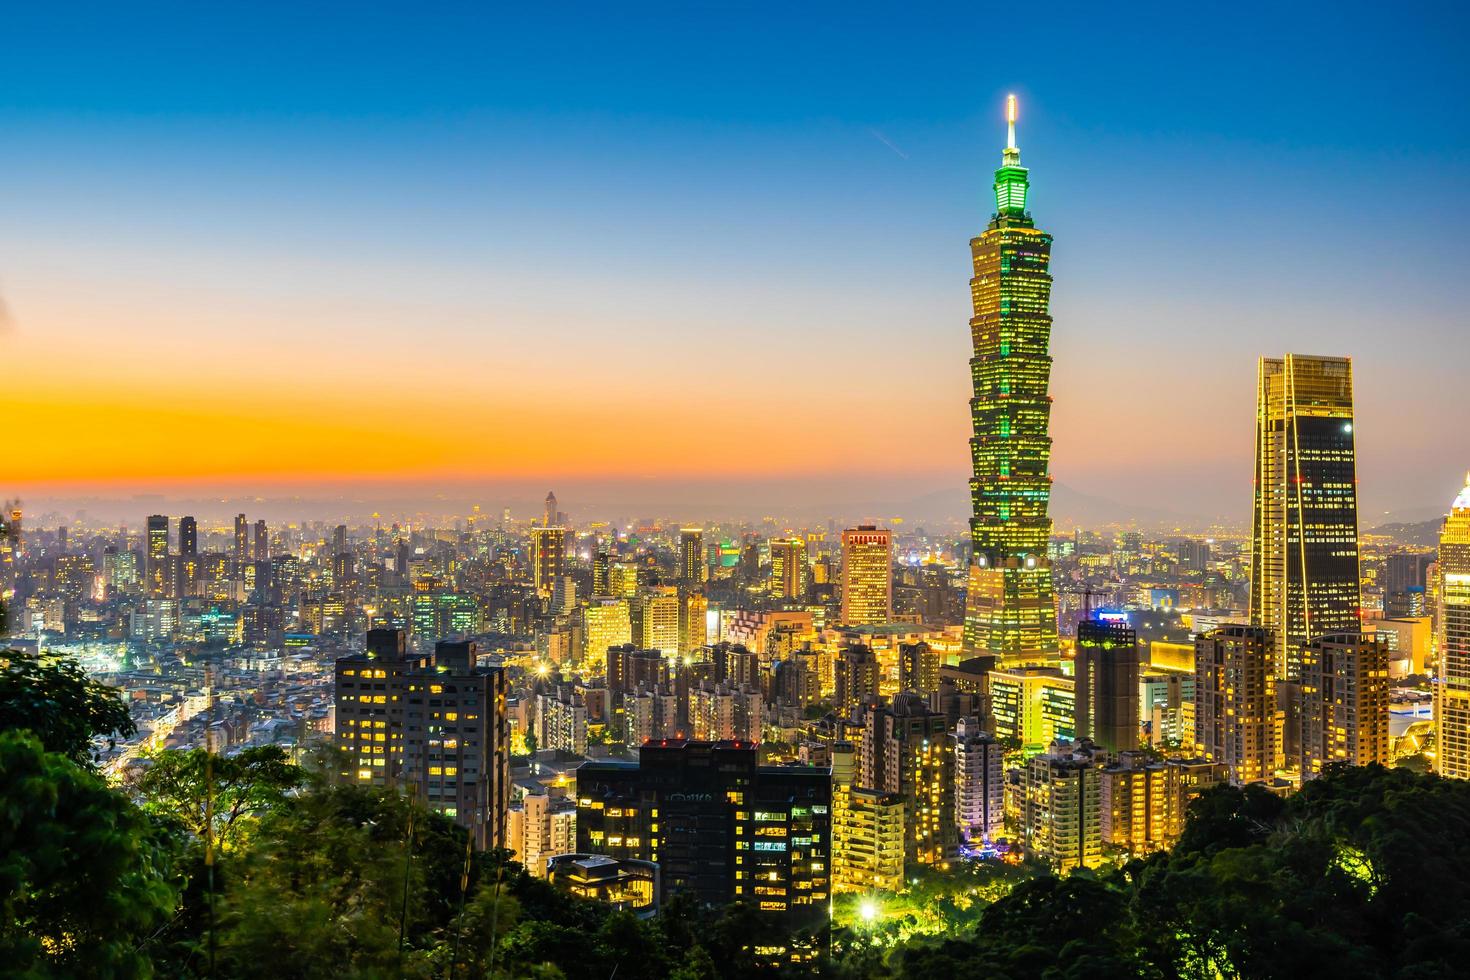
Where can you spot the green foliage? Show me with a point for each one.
(56, 700)
(85, 876)
(234, 790)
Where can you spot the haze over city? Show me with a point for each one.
(284, 253)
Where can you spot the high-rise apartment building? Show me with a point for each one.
(1107, 683)
(692, 565)
(434, 724)
(606, 624)
(1011, 609)
(979, 784)
(660, 614)
(1344, 701)
(1235, 716)
(1304, 546)
(1452, 635)
(188, 536)
(262, 541)
(906, 749)
(788, 568)
(867, 576)
(156, 565)
(540, 826)
(867, 840)
(1061, 808)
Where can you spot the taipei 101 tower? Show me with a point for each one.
(1010, 610)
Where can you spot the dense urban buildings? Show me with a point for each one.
(1304, 547)
(1011, 612)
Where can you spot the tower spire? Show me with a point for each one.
(1010, 122)
(1010, 179)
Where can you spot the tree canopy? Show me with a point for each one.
(56, 701)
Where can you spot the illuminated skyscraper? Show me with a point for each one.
(550, 517)
(1304, 549)
(867, 576)
(242, 539)
(788, 568)
(1452, 671)
(1107, 683)
(691, 555)
(155, 571)
(1011, 611)
(262, 542)
(548, 553)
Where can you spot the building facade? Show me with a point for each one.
(1011, 609)
(1304, 537)
(1452, 636)
(1235, 714)
(1344, 702)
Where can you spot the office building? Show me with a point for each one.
(188, 536)
(1304, 537)
(1011, 611)
(789, 573)
(867, 576)
(1452, 634)
(856, 673)
(242, 540)
(717, 824)
(1235, 713)
(692, 566)
(548, 558)
(1033, 705)
(262, 542)
(156, 558)
(1106, 677)
(432, 724)
(918, 668)
(1344, 702)
(607, 623)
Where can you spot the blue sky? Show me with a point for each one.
(740, 191)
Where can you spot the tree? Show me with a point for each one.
(237, 789)
(66, 709)
(85, 876)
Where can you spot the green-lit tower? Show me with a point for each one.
(1011, 612)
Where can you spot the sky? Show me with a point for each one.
(714, 252)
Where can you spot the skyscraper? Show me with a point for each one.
(548, 552)
(155, 568)
(1107, 683)
(188, 536)
(550, 517)
(1011, 611)
(262, 542)
(691, 555)
(1452, 670)
(1304, 548)
(242, 539)
(867, 576)
(788, 568)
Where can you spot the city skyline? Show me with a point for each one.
(267, 283)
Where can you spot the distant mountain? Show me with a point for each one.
(1069, 508)
(1424, 534)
